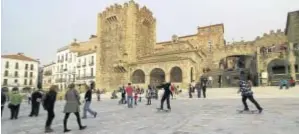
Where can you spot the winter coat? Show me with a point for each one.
(72, 99)
(37, 95)
(3, 99)
(15, 98)
(49, 100)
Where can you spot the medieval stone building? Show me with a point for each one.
(127, 51)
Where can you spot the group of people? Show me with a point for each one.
(200, 86)
(48, 100)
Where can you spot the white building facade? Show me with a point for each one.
(19, 70)
(48, 78)
(86, 67)
(65, 68)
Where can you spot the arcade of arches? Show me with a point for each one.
(157, 76)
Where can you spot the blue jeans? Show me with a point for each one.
(130, 101)
(86, 109)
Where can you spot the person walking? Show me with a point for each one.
(15, 102)
(29, 98)
(99, 95)
(48, 104)
(190, 90)
(198, 89)
(204, 81)
(210, 79)
(88, 98)
(129, 91)
(149, 95)
(72, 106)
(246, 92)
(36, 98)
(3, 101)
(166, 95)
(172, 89)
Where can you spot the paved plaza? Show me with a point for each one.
(214, 115)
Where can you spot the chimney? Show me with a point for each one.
(20, 53)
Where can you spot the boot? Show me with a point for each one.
(82, 127)
(260, 110)
(65, 126)
(48, 130)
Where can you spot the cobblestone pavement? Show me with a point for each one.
(188, 116)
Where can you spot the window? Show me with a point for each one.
(17, 65)
(78, 73)
(16, 74)
(62, 58)
(26, 66)
(31, 74)
(91, 72)
(25, 82)
(4, 81)
(66, 57)
(26, 74)
(7, 64)
(16, 80)
(6, 73)
(30, 82)
(58, 58)
(84, 72)
(31, 66)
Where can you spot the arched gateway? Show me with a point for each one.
(176, 75)
(157, 76)
(138, 77)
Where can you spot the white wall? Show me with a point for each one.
(86, 73)
(49, 80)
(65, 68)
(21, 73)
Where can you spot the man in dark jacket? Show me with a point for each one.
(48, 104)
(36, 98)
(3, 101)
(88, 98)
(204, 81)
(166, 95)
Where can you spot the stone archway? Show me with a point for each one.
(176, 75)
(278, 69)
(138, 77)
(157, 76)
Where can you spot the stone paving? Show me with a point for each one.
(214, 115)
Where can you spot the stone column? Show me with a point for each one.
(292, 60)
(258, 65)
(147, 79)
(167, 77)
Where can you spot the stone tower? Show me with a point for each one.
(124, 33)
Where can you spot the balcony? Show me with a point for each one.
(60, 80)
(11, 76)
(48, 73)
(65, 69)
(84, 64)
(91, 63)
(78, 65)
(85, 77)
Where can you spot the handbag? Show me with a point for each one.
(9, 106)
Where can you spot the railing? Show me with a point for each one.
(48, 73)
(65, 69)
(60, 80)
(84, 64)
(85, 77)
(91, 63)
(11, 76)
(78, 65)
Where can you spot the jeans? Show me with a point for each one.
(284, 85)
(66, 118)
(250, 97)
(14, 109)
(165, 97)
(86, 109)
(204, 89)
(130, 101)
(34, 109)
(50, 118)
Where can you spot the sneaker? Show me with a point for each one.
(48, 130)
(82, 127)
(260, 110)
(95, 114)
(84, 117)
(66, 130)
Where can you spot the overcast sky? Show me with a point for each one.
(39, 27)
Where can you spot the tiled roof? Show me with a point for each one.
(19, 56)
(49, 64)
